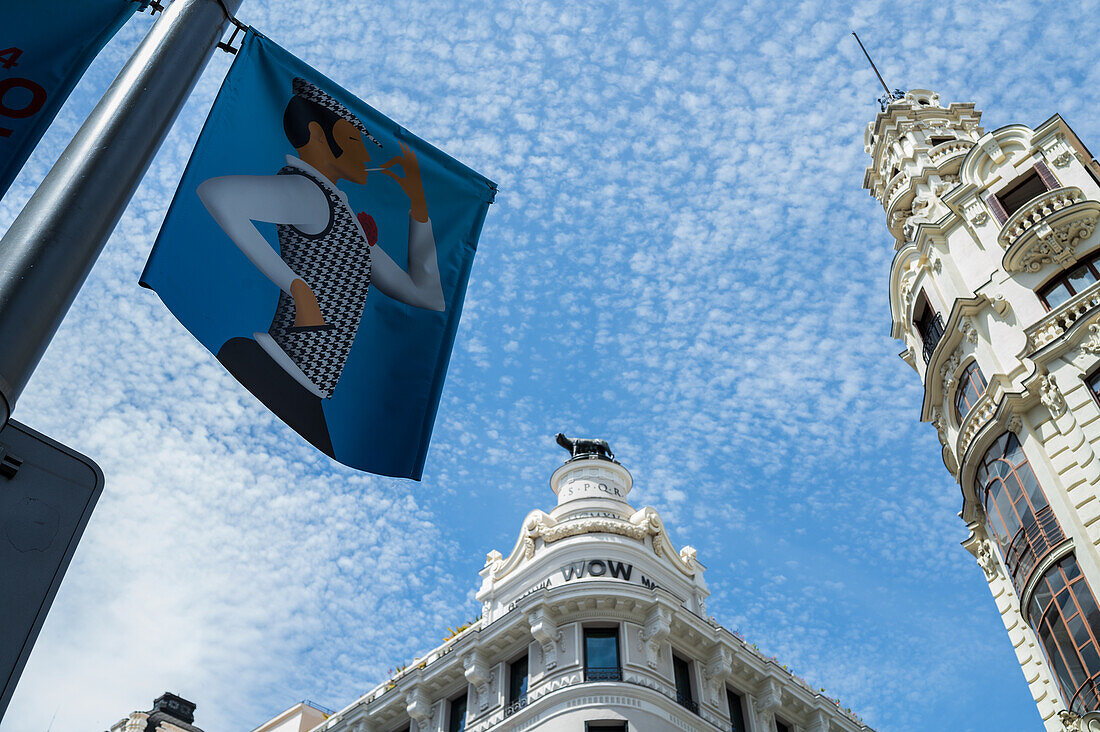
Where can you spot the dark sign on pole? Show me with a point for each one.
(47, 493)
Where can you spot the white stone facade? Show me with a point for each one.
(593, 566)
(984, 223)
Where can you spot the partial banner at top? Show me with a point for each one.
(321, 251)
(45, 47)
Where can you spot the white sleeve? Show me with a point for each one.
(235, 201)
(420, 286)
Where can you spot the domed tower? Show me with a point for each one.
(594, 622)
(994, 293)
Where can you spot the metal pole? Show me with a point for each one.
(873, 67)
(51, 246)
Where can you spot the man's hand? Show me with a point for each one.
(410, 183)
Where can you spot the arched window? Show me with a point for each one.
(1018, 515)
(1064, 614)
(971, 387)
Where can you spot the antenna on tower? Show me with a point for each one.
(889, 96)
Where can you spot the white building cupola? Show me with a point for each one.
(594, 621)
(916, 146)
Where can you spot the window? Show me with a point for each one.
(601, 654)
(1064, 613)
(933, 141)
(1017, 513)
(681, 670)
(782, 726)
(1067, 284)
(1093, 383)
(457, 719)
(1021, 191)
(517, 686)
(929, 326)
(737, 711)
(606, 726)
(971, 387)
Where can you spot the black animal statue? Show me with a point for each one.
(586, 447)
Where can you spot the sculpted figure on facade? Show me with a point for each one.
(1051, 395)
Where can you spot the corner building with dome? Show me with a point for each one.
(993, 291)
(593, 623)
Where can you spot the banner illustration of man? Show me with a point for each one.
(322, 252)
(325, 266)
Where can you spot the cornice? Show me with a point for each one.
(540, 525)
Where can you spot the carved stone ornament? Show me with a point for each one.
(1051, 395)
(970, 333)
(987, 560)
(1091, 344)
(1074, 723)
(418, 706)
(718, 669)
(1015, 424)
(765, 703)
(1056, 244)
(941, 426)
(479, 674)
(948, 371)
(1062, 160)
(549, 636)
(658, 624)
(991, 147)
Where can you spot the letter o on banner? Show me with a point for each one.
(593, 565)
(37, 100)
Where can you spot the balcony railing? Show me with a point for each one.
(1087, 697)
(931, 335)
(515, 706)
(603, 673)
(1036, 210)
(1055, 323)
(1032, 542)
(687, 703)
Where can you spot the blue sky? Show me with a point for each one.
(680, 260)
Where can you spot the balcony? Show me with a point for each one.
(603, 673)
(947, 150)
(515, 706)
(1032, 542)
(687, 703)
(931, 331)
(1055, 323)
(1048, 229)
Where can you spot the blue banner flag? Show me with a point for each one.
(322, 252)
(45, 47)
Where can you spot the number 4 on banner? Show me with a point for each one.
(9, 57)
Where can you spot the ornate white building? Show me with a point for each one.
(993, 291)
(593, 623)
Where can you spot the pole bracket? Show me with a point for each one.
(238, 28)
(9, 464)
(153, 6)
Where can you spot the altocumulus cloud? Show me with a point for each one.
(680, 260)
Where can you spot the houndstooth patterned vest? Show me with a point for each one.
(336, 266)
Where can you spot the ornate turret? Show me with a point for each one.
(994, 292)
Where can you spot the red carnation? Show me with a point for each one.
(369, 227)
